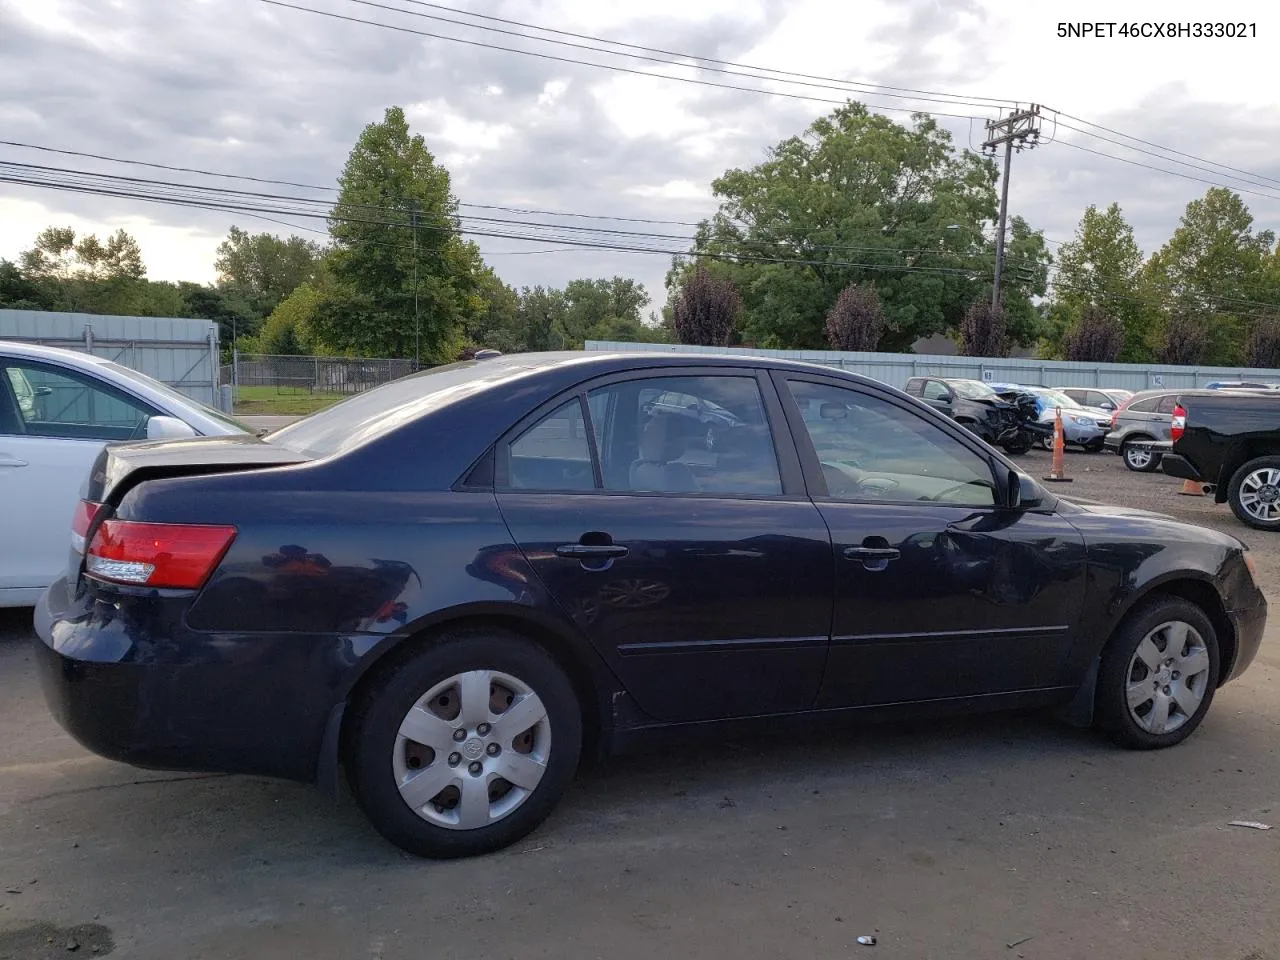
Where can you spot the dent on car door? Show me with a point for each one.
(49, 437)
(941, 590)
(703, 576)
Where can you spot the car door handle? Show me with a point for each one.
(8, 461)
(591, 551)
(872, 553)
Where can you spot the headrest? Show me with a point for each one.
(653, 440)
(833, 411)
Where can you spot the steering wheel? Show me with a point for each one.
(877, 486)
(956, 486)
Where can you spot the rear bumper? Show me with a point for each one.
(1178, 466)
(131, 683)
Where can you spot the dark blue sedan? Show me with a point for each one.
(452, 587)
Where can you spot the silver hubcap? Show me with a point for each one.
(1138, 457)
(1168, 677)
(472, 750)
(1260, 494)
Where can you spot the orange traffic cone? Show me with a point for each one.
(1191, 489)
(1058, 472)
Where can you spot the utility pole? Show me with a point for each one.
(1019, 127)
(417, 323)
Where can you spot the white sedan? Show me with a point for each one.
(58, 409)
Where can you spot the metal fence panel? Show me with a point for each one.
(896, 369)
(180, 352)
(344, 375)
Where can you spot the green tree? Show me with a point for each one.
(493, 320)
(600, 304)
(1101, 267)
(396, 244)
(287, 331)
(856, 199)
(86, 274)
(17, 292)
(540, 318)
(1216, 268)
(1024, 280)
(233, 314)
(262, 269)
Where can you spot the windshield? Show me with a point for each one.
(972, 389)
(1057, 399)
(177, 398)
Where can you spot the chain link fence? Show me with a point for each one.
(324, 375)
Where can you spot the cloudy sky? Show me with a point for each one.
(250, 88)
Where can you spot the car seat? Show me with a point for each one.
(656, 470)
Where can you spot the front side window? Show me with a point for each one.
(1145, 406)
(698, 434)
(936, 390)
(65, 404)
(870, 449)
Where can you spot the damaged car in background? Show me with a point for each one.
(1008, 419)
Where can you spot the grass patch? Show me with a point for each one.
(282, 401)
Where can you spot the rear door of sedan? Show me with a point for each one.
(941, 590)
(702, 572)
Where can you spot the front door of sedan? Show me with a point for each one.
(941, 591)
(701, 572)
(53, 423)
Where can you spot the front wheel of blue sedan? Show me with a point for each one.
(464, 745)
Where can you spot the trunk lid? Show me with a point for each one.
(121, 467)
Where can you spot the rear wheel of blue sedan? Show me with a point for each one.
(465, 745)
(1158, 675)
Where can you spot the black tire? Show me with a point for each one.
(1152, 464)
(1234, 491)
(1094, 446)
(1111, 709)
(1045, 443)
(1019, 446)
(371, 739)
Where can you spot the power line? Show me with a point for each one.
(1172, 173)
(1172, 150)
(690, 56)
(603, 66)
(330, 189)
(1158, 156)
(844, 86)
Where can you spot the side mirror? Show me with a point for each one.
(44, 391)
(1023, 493)
(168, 428)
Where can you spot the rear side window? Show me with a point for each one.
(553, 454)
(1144, 406)
(914, 386)
(1167, 404)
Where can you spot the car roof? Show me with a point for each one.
(596, 363)
(39, 351)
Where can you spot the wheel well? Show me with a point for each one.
(1245, 453)
(1137, 436)
(1206, 598)
(575, 669)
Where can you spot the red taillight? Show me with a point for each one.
(1179, 423)
(81, 521)
(175, 555)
